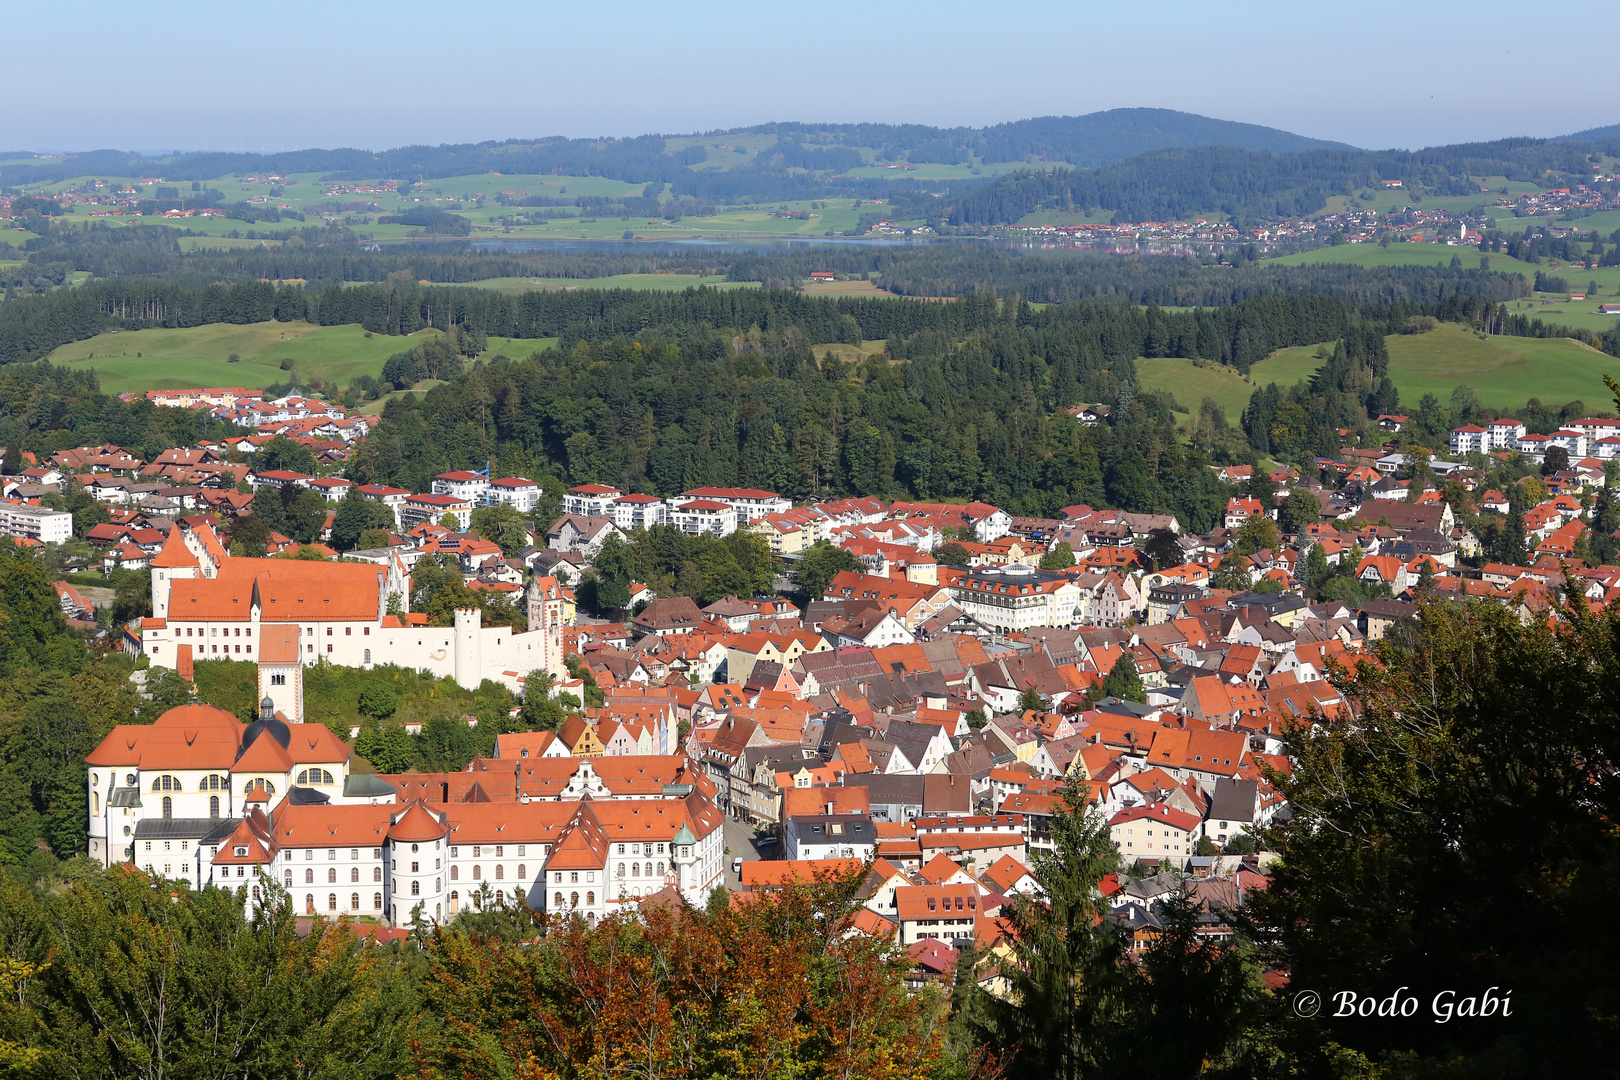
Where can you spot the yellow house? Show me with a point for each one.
(580, 738)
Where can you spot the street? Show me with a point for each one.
(740, 844)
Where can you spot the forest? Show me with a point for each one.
(1251, 185)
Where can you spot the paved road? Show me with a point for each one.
(740, 844)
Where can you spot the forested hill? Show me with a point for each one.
(1176, 184)
(1087, 141)
(1090, 140)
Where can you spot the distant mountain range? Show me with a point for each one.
(1084, 141)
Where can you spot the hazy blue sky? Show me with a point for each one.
(181, 74)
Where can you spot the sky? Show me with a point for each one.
(185, 75)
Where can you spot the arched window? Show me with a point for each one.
(331, 901)
(478, 873)
(416, 888)
(314, 776)
(559, 900)
(590, 898)
(376, 901)
(521, 874)
(331, 875)
(309, 903)
(455, 902)
(255, 894)
(354, 873)
(621, 869)
(213, 806)
(259, 782)
(289, 879)
(168, 806)
(354, 901)
(95, 802)
(500, 898)
(214, 782)
(455, 873)
(309, 877)
(166, 783)
(500, 872)
(660, 869)
(478, 901)
(376, 873)
(573, 899)
(635, 869)
(368, 659)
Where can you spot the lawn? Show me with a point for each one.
(1402, 254)
(1191, 384)
(1505, 371)
(199, 356)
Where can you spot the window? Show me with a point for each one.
(166, 783)
(621, 869)
(278, 680)
(455, 902)
(416, 888)
(168, 807)
(368, 660)
(258, 782)
(309, 903)
(590, 898)
(455, 873)
(376, 901)
(289, 879)
(314, 776)
(309, 877)
(331, 875)
(331, 901)
(559, 899)
(478, 873)
(521, 874)
(573, 899)
(213, 806)
(214, 782)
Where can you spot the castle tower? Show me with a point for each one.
(469, 652)
(545, 611)
(281, 674)
(174, 561)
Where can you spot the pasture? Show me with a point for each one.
(199, 356)
(1403, 254)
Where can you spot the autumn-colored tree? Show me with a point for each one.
(771, 985)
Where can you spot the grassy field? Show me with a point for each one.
(1505, 371)
(857, 287)
(516, 348)
(1402, 254)
(669, 282)
(849, 352)
(198, 356)
(1191, 383)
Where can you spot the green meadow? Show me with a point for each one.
(200, 355)
(1505, 371)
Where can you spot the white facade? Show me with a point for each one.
(639, 512)
(1470, 440)
(704, 516)
(520, 494)
(750, 504)
(35, 523)
(462, 485)
(431, 508)
(591, 500)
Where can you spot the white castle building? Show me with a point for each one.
(271, 807)
(210, 605)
